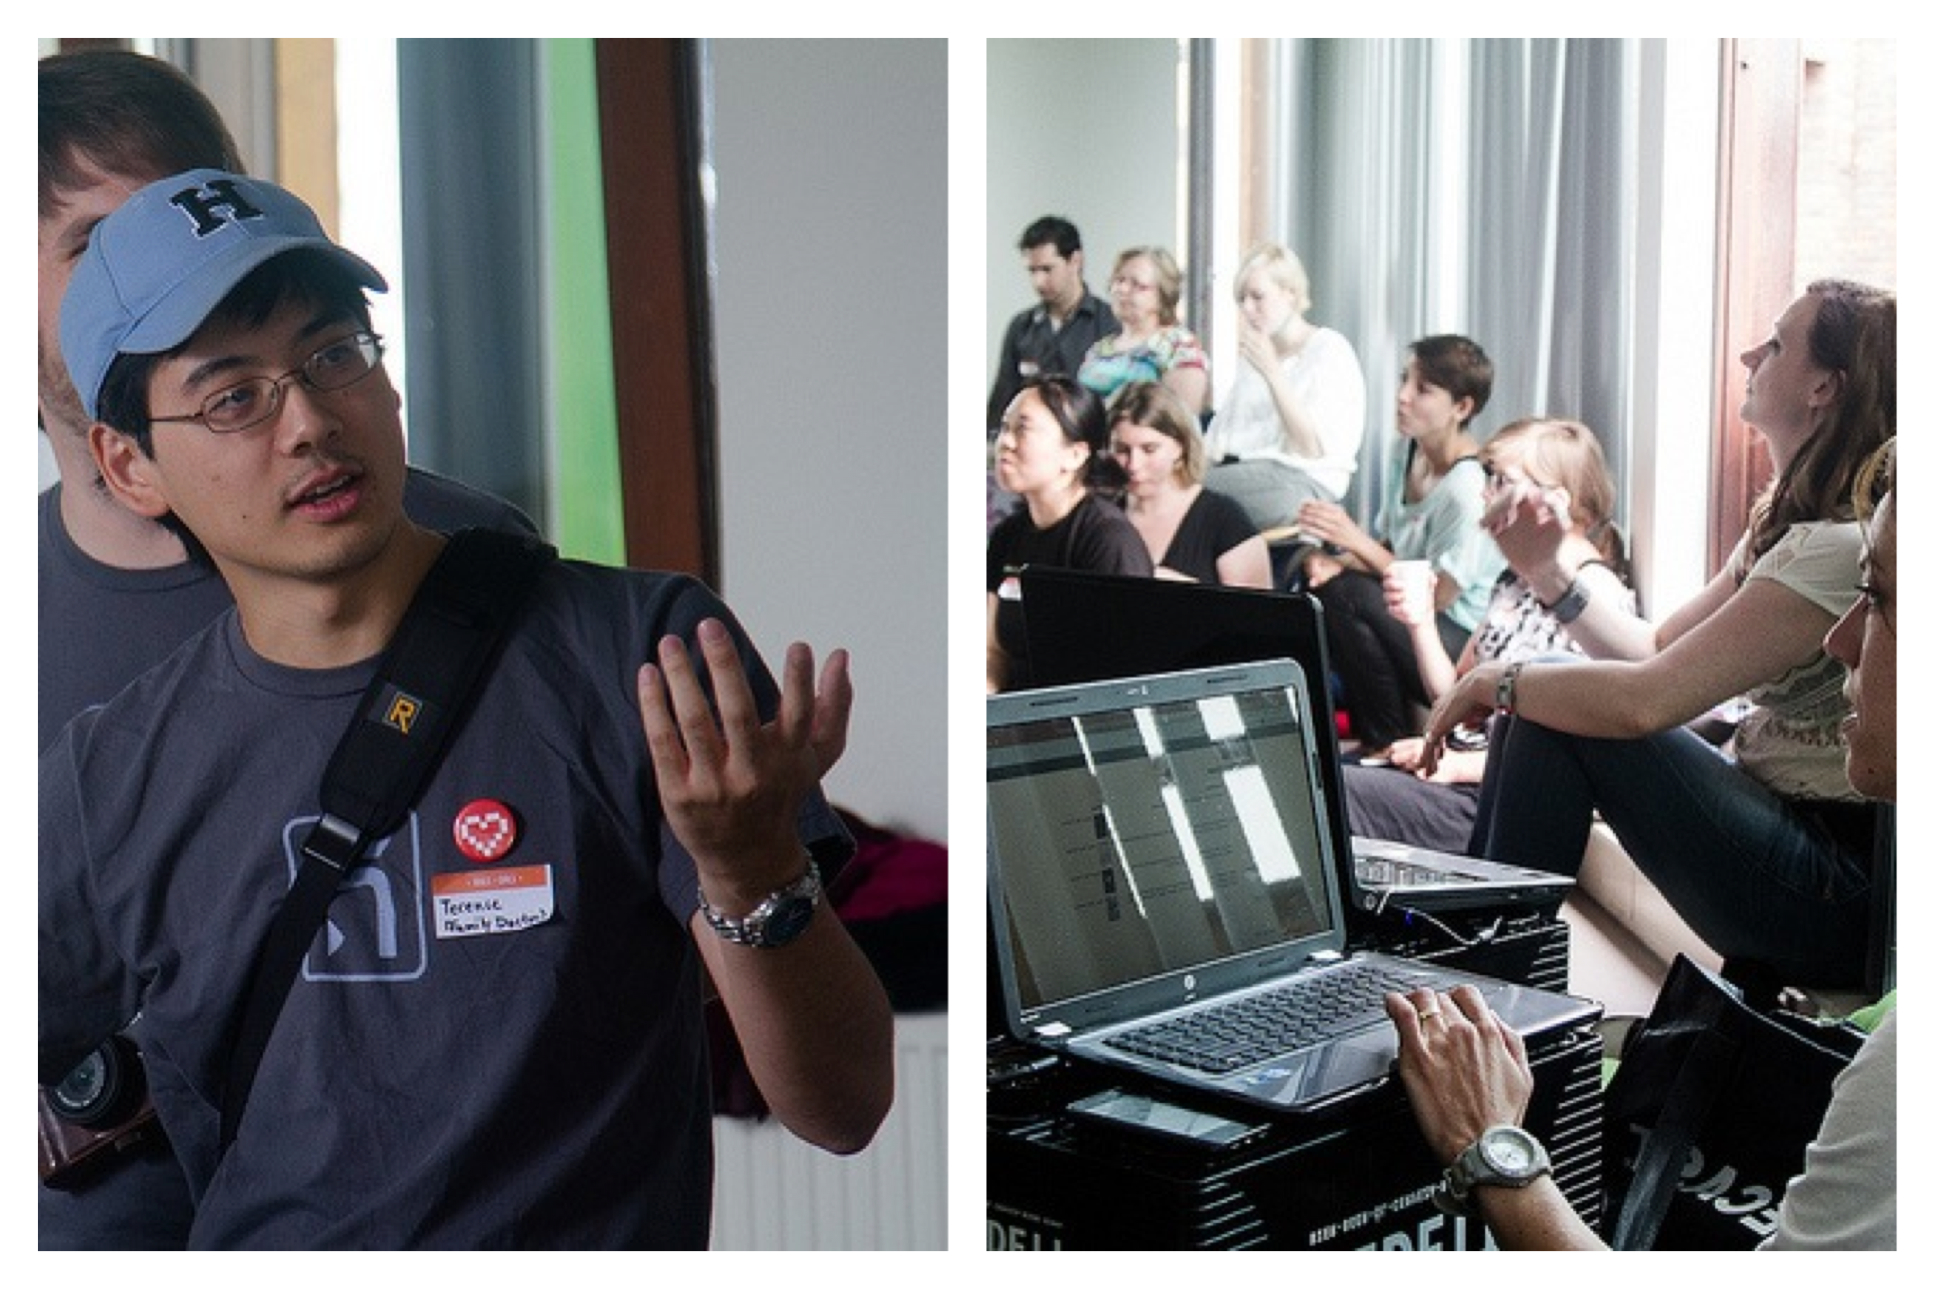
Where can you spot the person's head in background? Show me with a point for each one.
(1561, 456)
(1271, 288)
(1864, 639)
(1155, 440)
(1146, 289)
(1054, 442)
(1051, 247)
(1821, 391)
(1446, 381)
(111, 122)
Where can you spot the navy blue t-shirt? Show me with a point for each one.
(479, 1052)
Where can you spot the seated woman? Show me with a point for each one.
(1556, 468)
(1192, 534)
(1765, 848)
(1290, 428)
(1432, 511)
(1145, 290)
(1052, 452)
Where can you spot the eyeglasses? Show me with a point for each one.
(336, 366)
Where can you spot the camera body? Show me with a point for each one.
(99, 1110)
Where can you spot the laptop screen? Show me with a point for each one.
(1085, 626)
(1155, 836)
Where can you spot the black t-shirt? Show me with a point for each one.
(1213, 525)
(1096, 536)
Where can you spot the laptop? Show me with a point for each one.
(1160, 857)
(1092, 626)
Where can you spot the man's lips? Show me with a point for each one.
(326, 490)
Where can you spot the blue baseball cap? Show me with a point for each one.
(158, 266)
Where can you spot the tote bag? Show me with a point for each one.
(1710, 1114)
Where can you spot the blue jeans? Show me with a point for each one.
(1758, 876)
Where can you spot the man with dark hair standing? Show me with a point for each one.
(118, 592)
(504, 1047)
(1049, 338)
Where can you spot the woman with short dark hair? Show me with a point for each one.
(1052, 453)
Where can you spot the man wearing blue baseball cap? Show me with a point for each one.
(117, 592)
(437, 1077)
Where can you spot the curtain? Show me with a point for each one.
(1473, 186)
(473, 252)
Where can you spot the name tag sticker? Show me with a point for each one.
(486, 902)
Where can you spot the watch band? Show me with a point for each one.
(1573, 603)
(777, 920)
(1505, 698)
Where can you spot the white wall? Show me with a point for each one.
(832, 339)
(1083, 129)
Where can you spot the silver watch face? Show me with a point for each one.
(1512, 1152)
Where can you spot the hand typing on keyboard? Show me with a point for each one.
(1311, 1009)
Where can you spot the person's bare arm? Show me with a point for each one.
(1247, 564)
(1191, 385)
(1328, 522)
(1530, 525)
(1760, 633)
(811, 1016)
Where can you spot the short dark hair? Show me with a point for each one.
(126, 113)
(1052, 229)
(1457, 365)
(295, 277)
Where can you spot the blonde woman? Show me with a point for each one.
(1291, 427)
(1153, 345)
(1192, 534)
(1557, 466)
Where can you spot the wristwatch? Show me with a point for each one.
(1505, 698)
(1570, 605)
(1504, 1156)
(775, 921)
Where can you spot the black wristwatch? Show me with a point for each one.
(1504, 1156)
(1571, 604)
(775, 921)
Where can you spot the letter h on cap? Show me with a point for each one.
(203, 204)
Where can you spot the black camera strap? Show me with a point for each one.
(444, 647)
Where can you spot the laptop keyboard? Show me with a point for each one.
(1225, 1037)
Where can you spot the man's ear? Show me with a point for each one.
(128, 472)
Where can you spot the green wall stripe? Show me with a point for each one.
(587, 510)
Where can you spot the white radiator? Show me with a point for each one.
(776, 1193)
